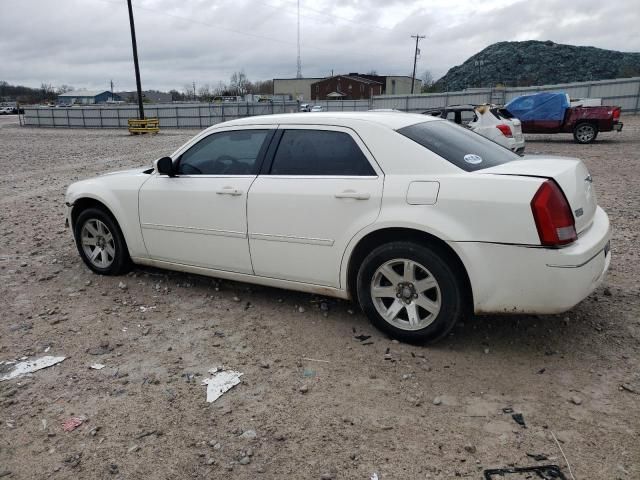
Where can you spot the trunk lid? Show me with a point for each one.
(570, 174)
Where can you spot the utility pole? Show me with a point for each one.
(299, 73)
(418, 37)
(135, 60)
(111, 82)
(194, 90)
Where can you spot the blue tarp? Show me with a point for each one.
(539, 106)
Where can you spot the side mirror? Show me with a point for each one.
(164, 166)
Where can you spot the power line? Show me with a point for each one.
(418, 37)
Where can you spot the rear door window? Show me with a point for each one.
(319, 152)
(464, 148)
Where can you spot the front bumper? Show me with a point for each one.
(537, 280)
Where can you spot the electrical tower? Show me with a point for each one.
(299, 73)
(415, 59)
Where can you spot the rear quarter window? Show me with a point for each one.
(458, 145)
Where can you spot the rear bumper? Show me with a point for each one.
(617, 126)
(536, 280)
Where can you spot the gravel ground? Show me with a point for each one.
(314, 402)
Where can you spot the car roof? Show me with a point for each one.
(392, 120)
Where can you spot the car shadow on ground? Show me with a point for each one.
(529, 335)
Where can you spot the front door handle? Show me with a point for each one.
(354, 194)
(229, 191)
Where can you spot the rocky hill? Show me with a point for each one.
(538, 63)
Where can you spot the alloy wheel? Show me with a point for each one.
(406, 294)
(585, 133)
(97, 243)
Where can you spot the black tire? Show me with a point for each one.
(450, 291)
(585, 132)
(120, 262)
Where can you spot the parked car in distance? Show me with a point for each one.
(418, 220)
(552, 113)
(486, 120)
(305, 107)
(317, 108)
(6, 110)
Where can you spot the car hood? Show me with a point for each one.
(108, 186)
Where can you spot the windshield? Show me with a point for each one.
(458, 145)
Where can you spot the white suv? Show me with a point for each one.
(487, 120)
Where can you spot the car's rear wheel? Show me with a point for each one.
(410, 291)
(100, 242)
(585, 133)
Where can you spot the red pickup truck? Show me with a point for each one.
(553, 113)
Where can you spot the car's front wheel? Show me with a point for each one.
(410, 291)
(100, 242)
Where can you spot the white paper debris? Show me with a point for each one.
(220, 383)
(97, 366)
(374, 476)
(23, 368)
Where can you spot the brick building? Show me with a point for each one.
(346, 87)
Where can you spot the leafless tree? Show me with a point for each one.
(239, 83)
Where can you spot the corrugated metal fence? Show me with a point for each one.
(622, 92)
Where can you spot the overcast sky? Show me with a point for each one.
(86, 43)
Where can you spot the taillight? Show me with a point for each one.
(505, 129)
(616, 113)
(553, 216)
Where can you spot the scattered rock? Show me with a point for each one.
(628, 388)
(606, 292)
(264, 364)
(245, 460)
(133, 448)
(437, 401)
(249, 434)
(113, 469)
(470, 448)
(538, 457)
(304, 389)
(327, 476)
(576, 400)
(301, 309)
(122, 286)
(519, 419)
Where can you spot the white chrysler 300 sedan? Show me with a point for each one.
(417, 219)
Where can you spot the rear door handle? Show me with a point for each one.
(229, 191)
(353, 194)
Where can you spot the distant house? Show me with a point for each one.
(305, 89)
(87, 97)
(346, 87)
(148, 96)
